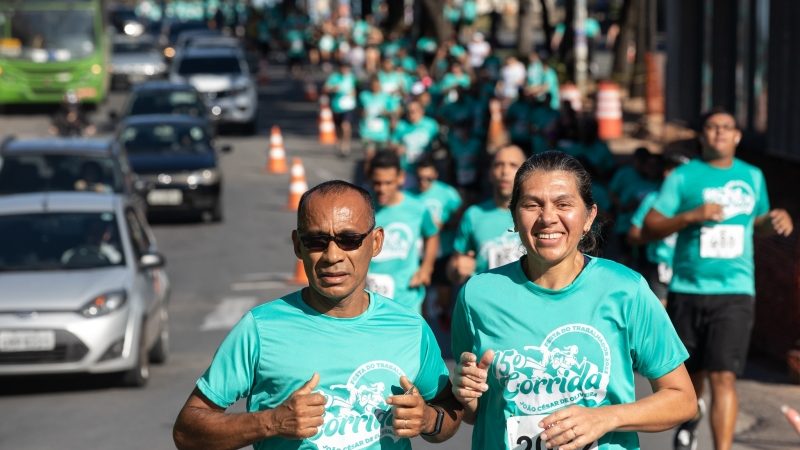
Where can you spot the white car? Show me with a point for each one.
(222, 75)
(134, 60)
(82, 287)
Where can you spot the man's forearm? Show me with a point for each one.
(657, 226)
(200, 428)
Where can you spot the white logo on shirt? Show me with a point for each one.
(397, 242)
(736, 197)
(573, 364)
(356, 413)
(435, 208)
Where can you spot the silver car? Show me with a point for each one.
(82, 287)
(134, 60)
(222, 75)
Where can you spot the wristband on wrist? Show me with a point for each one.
(437, 428)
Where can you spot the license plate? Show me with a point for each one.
(27, 341)
(165, 197)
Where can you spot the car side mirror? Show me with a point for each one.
(152, 261)
(226, 149)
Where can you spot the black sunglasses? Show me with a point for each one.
(345, 241)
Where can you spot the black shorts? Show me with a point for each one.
(439, 276)
(346, 116)
(714, 328)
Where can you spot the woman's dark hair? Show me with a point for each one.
(558, 161)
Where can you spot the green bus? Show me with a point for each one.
(50, 47)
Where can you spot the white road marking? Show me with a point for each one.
(228, 312)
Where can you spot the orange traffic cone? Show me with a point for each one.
(276, 163)
(297, 184)
(327, 129)
(299, 276)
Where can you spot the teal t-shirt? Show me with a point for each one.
(484, 229)
(344, 91)
(416, 138)
(630, 187)
(277, 346)
(579, 345)
(657, 252)
(465, 154)
(374, 125)
(404, 224)
(442, 200)
(297, 46)
(391, 82)
(715, 257)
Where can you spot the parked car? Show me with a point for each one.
(223, 76)
(176, 156)
(164, 97)
(82, 287)
(134, 60)
(68, 164)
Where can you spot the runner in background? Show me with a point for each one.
(484, 239)
(402, 270)
(443, 203)
(655, 263)
(715, 204)
(341, 86)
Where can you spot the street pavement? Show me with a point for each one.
(219, 271)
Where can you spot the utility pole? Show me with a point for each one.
(581, 47)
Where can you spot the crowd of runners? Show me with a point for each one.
(558, 268)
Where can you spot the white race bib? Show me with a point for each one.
(501, 254)
(347, 102)
(523, 433)
(381, 284)
(722, 241)
(375, 124)
(664, 273)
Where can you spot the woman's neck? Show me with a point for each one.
(554, 276)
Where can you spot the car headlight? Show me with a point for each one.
(104, 304)
(205, 176)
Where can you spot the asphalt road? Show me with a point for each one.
(218, 271)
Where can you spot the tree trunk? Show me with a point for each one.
(546, 26)
(621, 44)
(525, 28)
(433, 11)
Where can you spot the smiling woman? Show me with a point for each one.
(560, 369)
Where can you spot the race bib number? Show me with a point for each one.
(347, 102)
(381, 284)
(501, 254)
(375, 124)
(722, 241)
(664, 273)
(523, 433)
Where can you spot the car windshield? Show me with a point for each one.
(141, 46)
(179, 27)
(52, 35)
(37, 172)
(59, 241)
(223, 65)
(167, 102)
(165, 138)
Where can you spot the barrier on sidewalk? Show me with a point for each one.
(570, 93)
(609, 111)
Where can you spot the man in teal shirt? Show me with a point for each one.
(714, 205)
(401, 271)
(341, 86)
(443, 202)
(414, 137)
(332, 365)
(485, 237)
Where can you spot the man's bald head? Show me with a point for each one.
(333, 188)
